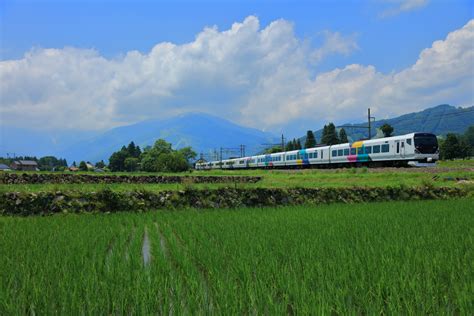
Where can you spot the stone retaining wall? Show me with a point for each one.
(43, 203)
(39, 178)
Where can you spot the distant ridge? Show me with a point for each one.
(439, 120)
(203, 132)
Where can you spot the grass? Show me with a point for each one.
(286, 179)
(392, 258)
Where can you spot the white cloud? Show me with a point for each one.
(400, 6)
(258, 77)
(335, 43)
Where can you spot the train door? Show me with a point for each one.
(400, 148)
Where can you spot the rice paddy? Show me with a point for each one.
(392, 258)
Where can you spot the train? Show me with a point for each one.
(414, 149)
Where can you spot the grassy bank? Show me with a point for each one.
(398, 257)
(309, 178)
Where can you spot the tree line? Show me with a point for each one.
(160, 157)
(46, 163)
(457, 145)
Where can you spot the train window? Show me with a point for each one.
(346, 152)
(340, 152)
(360, 151)
(385, 148)
(334, 153)
(322, 154)
(408, 141)
(353, 151)
(315, 154)
(368, 149)
(376, 149)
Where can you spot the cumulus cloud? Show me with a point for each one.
(261, 77)
(335, 42)
(400, 6)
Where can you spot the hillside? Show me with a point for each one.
(439, 120)
(202, 132)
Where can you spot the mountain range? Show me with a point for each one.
(205, 134)
(439, 120)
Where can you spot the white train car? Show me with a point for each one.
(415, 149)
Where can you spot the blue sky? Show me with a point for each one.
(373, 41)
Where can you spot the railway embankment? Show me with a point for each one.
(106, 200)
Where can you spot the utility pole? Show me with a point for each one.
(221, 159)
(370, 122)
(282, 143)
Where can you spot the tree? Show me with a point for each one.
(117, 160)
(450, 147)
(100, 164)
(386, 129)
(162, 158)
(131, 164)
(74, 164)
(272, 150)
(329, 136)
(310, 140)
(298, 145)
(188, 153)
(289, 146)
(469, 138)
(343, 136)
(83, 166)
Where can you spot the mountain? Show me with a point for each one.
(439, 120)
(203, 132)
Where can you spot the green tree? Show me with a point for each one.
(100, 164)
(162, 158)
(289, 146)
(329, 136)
(450, 147)
(343, 136)
(117, 160)
(298, 145)
(131, 164)
(386, 129)
(188, 153)
(83, 166)
(74, 164)
(310, 140)
(272, 150)
(469, 136)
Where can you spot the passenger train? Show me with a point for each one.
(415, 149)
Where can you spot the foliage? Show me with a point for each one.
(455, 146)
(131, 164)
(272, 150)
(188, 153)
(310, 140)
(162, 158)
(329, 136)
(386, 129)
(83, 166)
(100, 164)
(343, 136)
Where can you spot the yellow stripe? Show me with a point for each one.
(357, 144)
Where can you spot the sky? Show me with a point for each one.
(279, 66)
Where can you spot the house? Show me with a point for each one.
(73, 169)
(25, 165)
(4, 167)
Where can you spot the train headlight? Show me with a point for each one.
(429, 159)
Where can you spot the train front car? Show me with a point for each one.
(426, 151)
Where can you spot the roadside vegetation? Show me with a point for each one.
(391, 258)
